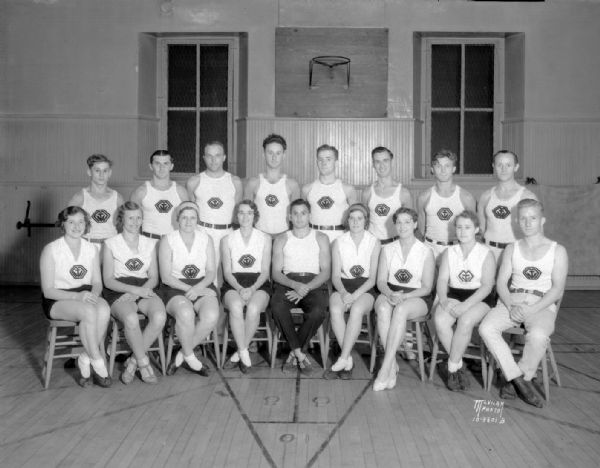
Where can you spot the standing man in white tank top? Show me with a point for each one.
(301, 268)
(98, 199)
(537, 269)
(159, 196)
(496, 205)
(328, 196)
(216, 192)
(438, 206)
(384, 196)
(273, 191)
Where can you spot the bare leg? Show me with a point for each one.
(361, 306)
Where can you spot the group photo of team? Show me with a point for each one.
(221, 251)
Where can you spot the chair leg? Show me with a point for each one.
(113, 345)
(490, 373)
(373, 349)
(49, 356)
(216, 347)
(161, 354)
(225, 343)
(482, 356)
(274, 347)
(434, 353)
(545, 379)
(323, 345)
(555, 374)
(418, 332)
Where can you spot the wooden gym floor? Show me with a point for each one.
(268, 419)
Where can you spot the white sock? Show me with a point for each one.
(178, 359)
(245, 357)
(142, 362)
(349, 363)
(339, 365)
(454, 366)
(83, 362)
(99, 367)
(235, 357)
(193, 362)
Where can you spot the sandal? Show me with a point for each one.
(147, 374)
(128, 373)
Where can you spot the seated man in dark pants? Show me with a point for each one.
(301, 268)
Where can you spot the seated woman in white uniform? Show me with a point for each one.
(465, 294)
(71, 287)
(130, 271)
(187, 270)
(404, 279)
(246, 259)
(353, 274)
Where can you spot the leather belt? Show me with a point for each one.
(151, 236)
(215, 226)
(387, 241)
(499, 245)
(337, 227)
(302, 273)
(440, 242)
(96, 241)
(535, 292)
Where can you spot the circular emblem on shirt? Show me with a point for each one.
(382, 209)
(356, 271)
(501, 212)
(163, 206)
(531, 273)
(465, 276)
(78, 271)
(100, 216)
(325, 202)
(214, 203)
(271, 200)
(444, 214)
(134, 264)
(246, 261)
(190, 271)
(403, 276)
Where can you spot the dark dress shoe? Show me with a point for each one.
(203, 372)
(243, 367)
(84, 381)
(171, 368)
(507, 392)
(104, 382)
(463, 379)
(453, 383)
(331, 375)
(526, 392)
(346, 374)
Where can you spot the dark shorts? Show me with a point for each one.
(111, 296)
(352, 284)
(246, 280)
(48, 303)
(167, 293)
(463, 294)
(428, 299)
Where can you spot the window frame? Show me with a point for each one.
(162, 98)
(426, 102)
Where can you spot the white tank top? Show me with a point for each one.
(272, 201)
(71, 272)
(158, 207)
(301, 255)
(381, 211)
(188, 264)
(131, 264)
(215, 198)
(530, 274)
(465, 273)
(498, 217)
(356, 261)
(102, 214)
(440, 213)
(246, 258)
(327, 203)
(406, 272)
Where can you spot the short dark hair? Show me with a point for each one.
(444, 153)
(98, 158)
(127, 206)
(405, 210)
(329, 148)
(300, 202)
(69, 211)
(468, 214)
(252, 206)
(356, 207)
(161, 152)
(503, 151)
(381, 149)
(214, 143)
(274, 138)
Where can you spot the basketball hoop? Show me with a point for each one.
(329, 61)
